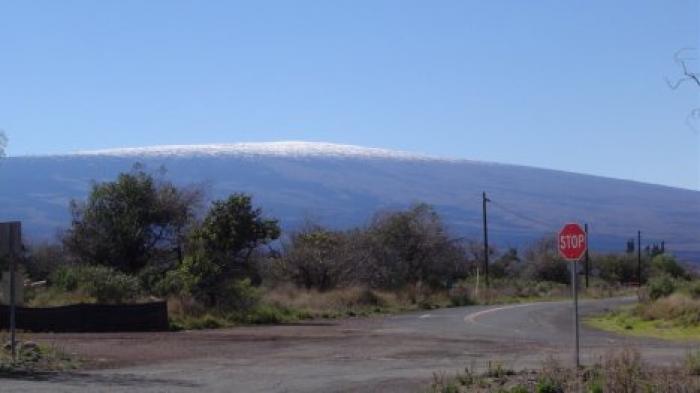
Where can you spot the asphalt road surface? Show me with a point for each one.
(381, 354)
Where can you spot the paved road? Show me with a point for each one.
(382, 354)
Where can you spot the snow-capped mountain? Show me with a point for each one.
(342, 186)
(277, 149)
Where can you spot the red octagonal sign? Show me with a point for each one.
(572, 242)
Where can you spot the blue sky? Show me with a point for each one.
(571, 85)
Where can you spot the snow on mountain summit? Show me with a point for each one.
(280, 149)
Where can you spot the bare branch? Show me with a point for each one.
(3, 143)
(681, 58)
(682, 61)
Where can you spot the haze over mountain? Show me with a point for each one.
(342, 186)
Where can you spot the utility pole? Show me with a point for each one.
(586, 266)
(639, 257)
(486, 241)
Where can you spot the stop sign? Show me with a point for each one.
(572, 242)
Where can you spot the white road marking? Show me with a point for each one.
(425, 316)
(473, 316)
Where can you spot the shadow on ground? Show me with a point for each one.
(77, 379)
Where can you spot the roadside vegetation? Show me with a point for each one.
(669, 306)
(34, 357)
(140, 238)
(618, 371)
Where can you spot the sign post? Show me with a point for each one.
(573, 244)
(11, 247)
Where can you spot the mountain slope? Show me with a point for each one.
(343, 186)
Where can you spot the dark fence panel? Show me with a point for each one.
(89, 318)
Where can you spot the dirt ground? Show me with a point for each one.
(389, 354)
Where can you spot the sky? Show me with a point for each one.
(570, 85)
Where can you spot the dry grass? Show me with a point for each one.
(32, 357)
(621, 371)
(351, 301)
(678, 308)
(54, 297)
(179, 306)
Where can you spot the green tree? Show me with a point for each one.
(222, 246)
(130, 222)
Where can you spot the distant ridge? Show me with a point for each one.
(344, 185)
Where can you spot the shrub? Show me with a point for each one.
(677, 308)
(692, 362)
(105, 284)
(548, 385)
(667, 264)
(661, 286)
(595, 386)
(66, 278)
(624, 370)
(519, 389)
(207, 321)
(239, 295)
(614, 268)
(113, 287)
(42, 259)
(460, 296)
(319, 258)
(173, 283)
(694, 289)
(367, 297)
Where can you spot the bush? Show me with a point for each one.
(42, 259)
(694, 289)
(519, 389)
(624, 371)
(615, 268)
(319, 258)
(105, 284)
(239, 295)
(677, 308)
(173, 283)
(367, 297)
(548, 385)
(667, 264)
(661, 287)
(692, 362)
(460, 296)
(66, 278)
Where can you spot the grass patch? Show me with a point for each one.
(33, 357)
(626, 323)
(676, 317)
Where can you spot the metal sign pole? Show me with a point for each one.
(11, 247)
(574, 288)
(573, 243)
(12, 307)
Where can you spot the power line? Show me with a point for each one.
(521, 216)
